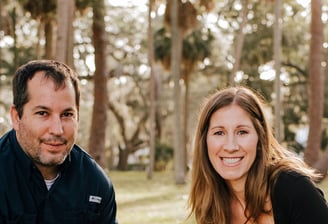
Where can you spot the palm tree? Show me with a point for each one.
(176, 50)
(44, 11)
(181, 43)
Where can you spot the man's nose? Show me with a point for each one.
(56, 126)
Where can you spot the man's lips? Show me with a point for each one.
(54, 141)
(54, 144)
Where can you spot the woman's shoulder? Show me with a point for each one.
(296, 197)
(290, 175)
(292, 187)
(293, 181)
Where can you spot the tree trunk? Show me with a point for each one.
(152, 112)
(14, 18)
(277, 66)
(65, 31)
(322, 164)
(239, 43)
(187, 73)
(49, 32)
(99, 115)
(316, 81)
(176, 54)
(123, 159)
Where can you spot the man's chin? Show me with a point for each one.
(51, 162)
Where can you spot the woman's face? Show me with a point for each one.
(231, 143)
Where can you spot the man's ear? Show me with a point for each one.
(14, 117)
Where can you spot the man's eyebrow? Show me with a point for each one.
(70, 109)
(40, 107)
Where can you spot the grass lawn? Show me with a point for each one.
(157, 201)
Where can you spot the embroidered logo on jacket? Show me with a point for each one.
(95, 199)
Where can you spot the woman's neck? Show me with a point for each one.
(238, 189)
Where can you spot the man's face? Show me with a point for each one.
(48, 127)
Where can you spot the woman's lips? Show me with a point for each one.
(231, 161)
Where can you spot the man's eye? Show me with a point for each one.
(68, 114)
(41, 113)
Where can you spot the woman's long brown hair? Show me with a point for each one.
(210, 197)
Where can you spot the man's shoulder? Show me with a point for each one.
(86, 164)
(4, 140)
(5, 146)
(80, 155)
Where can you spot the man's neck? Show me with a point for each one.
(48, 173)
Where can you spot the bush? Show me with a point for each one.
(163, 155)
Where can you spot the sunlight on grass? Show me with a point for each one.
(150, 201)
(157, 201)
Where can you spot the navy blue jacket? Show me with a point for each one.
(81, 194)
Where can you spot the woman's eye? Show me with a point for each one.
(218, 133)
(242, 132)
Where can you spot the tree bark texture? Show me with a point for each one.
(316, 81)
(97, 146)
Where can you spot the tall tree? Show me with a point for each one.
(239, 43)
(277, 66)
(315, 110)
(44, 11)
(152, 108)
(65, 31)
(176, 53)
(194, 47)
(99, 116)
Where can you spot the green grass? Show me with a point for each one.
(156, 201)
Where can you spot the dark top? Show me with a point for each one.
(81, 194)
(296, 200)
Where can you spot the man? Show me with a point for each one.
(44, 176)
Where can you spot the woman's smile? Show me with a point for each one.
(231, 143)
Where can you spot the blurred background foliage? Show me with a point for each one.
(207, 61)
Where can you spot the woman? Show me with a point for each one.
(241, 174)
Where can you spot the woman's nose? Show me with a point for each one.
(231, 144)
